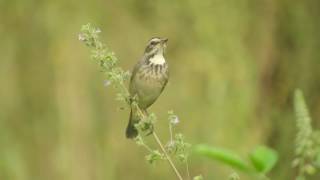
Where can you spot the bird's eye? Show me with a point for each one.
(153, 43)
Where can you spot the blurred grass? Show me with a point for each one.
(234, 66)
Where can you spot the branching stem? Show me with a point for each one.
(167, 156)
(142, 115)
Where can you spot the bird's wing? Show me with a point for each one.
(133, 75)
(166, 79)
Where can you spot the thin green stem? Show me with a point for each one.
(146, 146)
(187, 167)
(167, 156)
(142, 115)
(171, 134)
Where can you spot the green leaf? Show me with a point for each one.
(317, 162)
(199, 177)
(154, 156)
(224, 156)
(263, 159)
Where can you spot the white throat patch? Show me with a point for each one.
(158, 59)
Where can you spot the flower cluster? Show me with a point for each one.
(106, 60)
(307, 148)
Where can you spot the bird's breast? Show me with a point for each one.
(153, 75)
(149, 81)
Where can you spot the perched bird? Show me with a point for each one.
(149, 77)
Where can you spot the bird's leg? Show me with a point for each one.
(132, 99)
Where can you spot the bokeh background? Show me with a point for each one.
(234, 66)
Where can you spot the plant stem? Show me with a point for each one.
(142, 115)
(167, 156)
(171, 136)
(187, 167)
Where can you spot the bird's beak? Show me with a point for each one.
(164, 40)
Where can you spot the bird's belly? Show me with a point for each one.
(148, 91)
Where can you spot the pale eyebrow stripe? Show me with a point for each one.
(155, 40)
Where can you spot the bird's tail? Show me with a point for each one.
(131, 131)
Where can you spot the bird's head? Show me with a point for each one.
(155, 46)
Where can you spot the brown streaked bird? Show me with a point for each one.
(149, 77)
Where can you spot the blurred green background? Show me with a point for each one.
(234, 66)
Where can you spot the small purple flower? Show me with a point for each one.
(81, 37)
(97, 30)
(106, 83)
(171, 146)
(174, 120)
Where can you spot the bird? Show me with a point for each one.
(149, 78)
